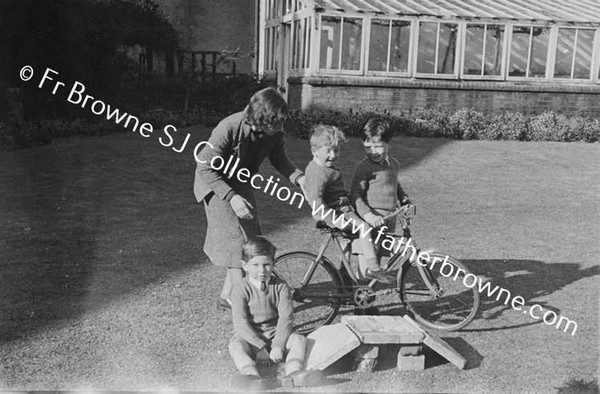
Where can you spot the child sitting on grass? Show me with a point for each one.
(376, 189)
(325, 187)
(261, 305)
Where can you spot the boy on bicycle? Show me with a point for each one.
(262, 310)
(376, 189)
(326, 192)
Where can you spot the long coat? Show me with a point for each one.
(231, 139)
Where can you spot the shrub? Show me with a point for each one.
(463, 124)
(467, 124)
(583, 129)
(301, 123)
(429, 122)
(506, 126)
(24, 135)
(549, 126)
(41, 132)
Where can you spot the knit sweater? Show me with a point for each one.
(324, 186)
(376, 186)
(257, 313)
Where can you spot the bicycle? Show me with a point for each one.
(320, 289)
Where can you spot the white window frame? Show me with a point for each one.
(553, 55)
(596, 57)
(550, 48)
(503, 60)
(306, 61)
(325, 71)
(388, 73)
(457, 54)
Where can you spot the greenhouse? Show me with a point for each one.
(488, 54)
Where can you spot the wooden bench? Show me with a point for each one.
(365, 334)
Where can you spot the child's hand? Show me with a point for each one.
(374, 220)
(276, 355)
(262, 358)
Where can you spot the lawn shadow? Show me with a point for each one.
(87, 221)
(530, 279)
(44, 247)
(81, 229)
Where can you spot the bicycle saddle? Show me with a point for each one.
(322, 225)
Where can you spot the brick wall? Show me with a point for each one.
(400, 94)
(211, 25)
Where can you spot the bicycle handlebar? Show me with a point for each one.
(407, 211)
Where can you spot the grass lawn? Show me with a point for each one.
(104, 284)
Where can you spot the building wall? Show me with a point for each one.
(343, 93)
(215, 25)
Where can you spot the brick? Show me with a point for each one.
(411, 363)
(365, 358)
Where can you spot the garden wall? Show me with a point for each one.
(401, 94)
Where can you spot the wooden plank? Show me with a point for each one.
(328, 344)
(440, 346)
(383, 329)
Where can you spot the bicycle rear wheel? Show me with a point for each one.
(452, 306)
(316, 303)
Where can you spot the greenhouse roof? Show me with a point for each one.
(563, 11)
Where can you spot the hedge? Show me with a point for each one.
(466, 124)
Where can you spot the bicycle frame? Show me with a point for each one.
(397, 260)
(319, 281)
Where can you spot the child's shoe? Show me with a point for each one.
(379, 275)
(247, 383)
(303, 378)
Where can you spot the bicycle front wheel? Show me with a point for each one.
(316, 301)
(449, 305)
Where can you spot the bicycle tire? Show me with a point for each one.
(313, 312)
(451, 311)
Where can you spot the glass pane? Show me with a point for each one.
(378, 47)
(294, 44)
(494, 44)
(474, 49)
(583, 58)
(275, 47)
(400, 45)
(351, 44)
(267, 49)
(447, 48)
(277, 10)
(519, 51)
(426, 47)
(307, 48)
(298, 47)
(564, 53)
(330, 42)
(539, 52)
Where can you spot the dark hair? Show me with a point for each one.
(257, 246)
(377, 127)
(266, 107)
